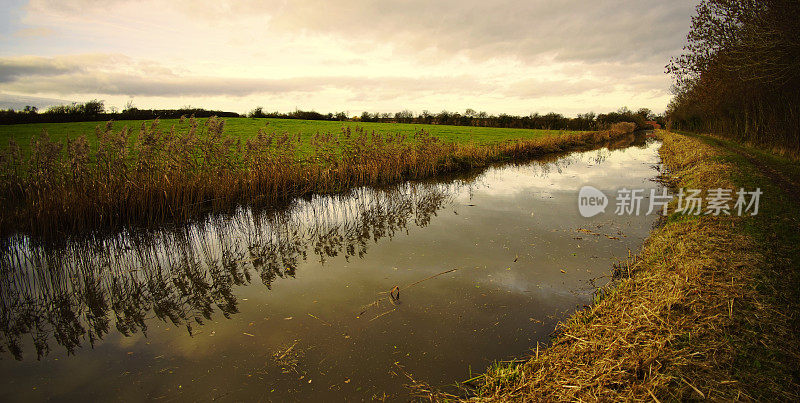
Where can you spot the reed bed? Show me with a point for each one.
(157, 175)
(708, 312)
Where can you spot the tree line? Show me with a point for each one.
(739, 75)
(550, 121)
(95, 110)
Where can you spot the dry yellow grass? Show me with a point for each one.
(687, 324)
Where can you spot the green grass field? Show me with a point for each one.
(247, 127)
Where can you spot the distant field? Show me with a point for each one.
(247, 127)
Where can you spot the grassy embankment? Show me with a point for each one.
(122, 176)
(710, 309)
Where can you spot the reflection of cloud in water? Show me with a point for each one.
(570, 173)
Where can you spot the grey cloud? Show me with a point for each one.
(19, 102)
(13, 69)
(93, 74)
(658, 84)
(602, 45)
(46, 75)
(535, 88)
(586, 30)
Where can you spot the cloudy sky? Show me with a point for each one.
(512, 56)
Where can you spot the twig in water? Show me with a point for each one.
(287, 350)
(394, 293)
(326, 323)
(385, 313)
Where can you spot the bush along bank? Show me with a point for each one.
(709, 310)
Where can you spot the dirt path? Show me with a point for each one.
(785, 181)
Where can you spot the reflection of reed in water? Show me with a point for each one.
(68, 293)
(75, 293)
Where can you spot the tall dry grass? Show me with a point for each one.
(167, 175)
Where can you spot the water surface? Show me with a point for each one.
(292, 304)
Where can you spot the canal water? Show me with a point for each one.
(297, 303)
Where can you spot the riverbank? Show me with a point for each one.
(254, 305)
(173, 175)
(709, 309)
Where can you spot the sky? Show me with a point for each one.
(507, 56)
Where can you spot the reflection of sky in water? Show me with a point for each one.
(631, 166)
(510, 233)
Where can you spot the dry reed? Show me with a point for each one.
(170, 175)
